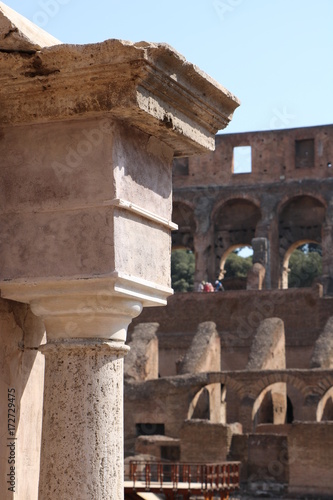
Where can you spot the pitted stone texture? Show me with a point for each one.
(21, 370)
(204, 352)
(82, 423)
(323, 351)
(149, 86)
(68, 208)
(19, 34)
(141, 363)
(268, 347)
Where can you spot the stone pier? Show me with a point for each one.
(87, 138)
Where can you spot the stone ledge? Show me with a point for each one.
(150, 86)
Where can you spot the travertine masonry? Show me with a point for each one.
(268, 346)
(322, 356)
(141, 363)
(82, 382)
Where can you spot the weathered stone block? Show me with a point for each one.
(268, 347)
(310, 458)
(322, 356)
(141, 363)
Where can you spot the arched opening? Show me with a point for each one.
(208, 404)
(270, 406)
(325, 407)
(300, 223)
(290, 411)
(235, 224)
(235, 264)
(265, 412)
(201, 408)
(302, 264)
(328, 410)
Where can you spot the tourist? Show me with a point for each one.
(218, 286)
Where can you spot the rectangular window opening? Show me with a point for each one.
(242, 160)
(304, 153)
(149, 429)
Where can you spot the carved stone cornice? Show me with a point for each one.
(150, 86)
(88, 291)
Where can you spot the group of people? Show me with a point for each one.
(206, 286)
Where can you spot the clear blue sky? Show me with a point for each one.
(275, 55)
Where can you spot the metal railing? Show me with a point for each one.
(157, 476)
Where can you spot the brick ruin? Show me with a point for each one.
(244, 374)
(276, 197)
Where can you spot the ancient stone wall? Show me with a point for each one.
(237, 315)
(285, 199)
(211, 445)
(311, 457)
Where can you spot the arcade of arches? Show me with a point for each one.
(284, 202)
(238, 223)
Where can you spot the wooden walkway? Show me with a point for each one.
(175, 479)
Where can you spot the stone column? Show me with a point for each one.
(256, 276)
(203, 257)
(82, 441)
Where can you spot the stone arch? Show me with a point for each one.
(206, 403)
(200, 405)
(301, 219)
(296, 389)
(325, 406)
(270, 407)
(286, 258)
(285, 200)
(226, 255)
(232, 392)
(321, 387)
(235, 223)
(270, 378)
(183, 216)
(220, 203)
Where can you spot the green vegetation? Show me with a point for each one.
(305, 265)
(237, 266)
(182, 270)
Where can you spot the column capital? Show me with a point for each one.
(87, 308)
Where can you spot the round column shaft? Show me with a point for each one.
(82, 445)
(82, 437)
